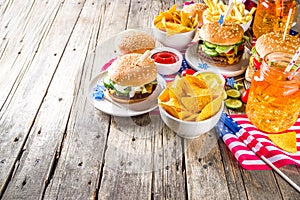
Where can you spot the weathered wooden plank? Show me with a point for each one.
(169, 166)
(128, 158)
(206, 178)
(48, 131)
(121, 162)
(21, 42)
(233, 173)
(130, 164)
(286, 190)
(79, 165)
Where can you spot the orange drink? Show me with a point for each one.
(274, 99)
(272, 15)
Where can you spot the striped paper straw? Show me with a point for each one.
(293, 61)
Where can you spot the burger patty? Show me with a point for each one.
(138, 95)
(217, 60)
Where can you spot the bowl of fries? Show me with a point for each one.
(237, 15)
(189, 107)
(174, 28)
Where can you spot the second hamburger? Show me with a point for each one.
(130, 82)
(270, 42)
(221, 45)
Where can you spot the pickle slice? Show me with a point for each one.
(233, 93)
(233, 103)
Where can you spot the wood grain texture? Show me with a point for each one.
(54, 144)
(46, 135)
(206, 178)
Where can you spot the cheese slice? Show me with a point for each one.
(286, 141)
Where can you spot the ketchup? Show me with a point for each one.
(165, 57)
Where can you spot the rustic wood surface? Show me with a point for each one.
(55, 145)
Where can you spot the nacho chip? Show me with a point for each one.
(286, 141)
(188, 116)
(197, 103)
(210, 109)
(164, 96)
(170, 109)
(194, 86)
(196, 81)
(188, 98)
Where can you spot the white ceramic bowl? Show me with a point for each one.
(244, 26)
(167, 69)
(187, 129)
(177, 41)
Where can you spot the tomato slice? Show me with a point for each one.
(230, 52)
(241, 47)
(256, 63)
(187, 72)
(245, 95)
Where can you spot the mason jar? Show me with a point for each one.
(274, 100)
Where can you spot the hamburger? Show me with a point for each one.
(196, 9)
(134, 41)
(221, 45)
(130, 82)
(270, 42)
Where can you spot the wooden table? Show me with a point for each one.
(55, 145)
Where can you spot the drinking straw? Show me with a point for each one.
(238, 131)
(287, 23)
(223, 17)
(293, 61)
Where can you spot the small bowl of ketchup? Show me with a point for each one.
(167, 60)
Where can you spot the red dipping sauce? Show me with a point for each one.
(165, 57)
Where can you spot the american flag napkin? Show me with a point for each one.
(246, 157)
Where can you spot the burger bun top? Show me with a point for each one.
(125, 72)
(194, 9)
(227, 34)
(134, 41)
(271, 42)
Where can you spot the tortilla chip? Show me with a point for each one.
(188, 116)
(188, 98)
(194, 86)
(210, 109)
(197, 103)
(164, 96)
(196, 81)
(286, 141)
(171, 109)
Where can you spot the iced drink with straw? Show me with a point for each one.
(274, 100)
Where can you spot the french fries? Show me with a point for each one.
(237, 15)
(175, 21)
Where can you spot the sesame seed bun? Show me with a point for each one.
(227, 34)
(271, 42)
(194, 9)
(134, 41)
(124, 72)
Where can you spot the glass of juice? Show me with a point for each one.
(274, 99)
(272, 15)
